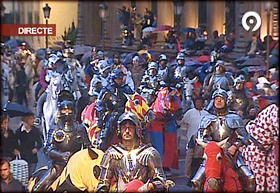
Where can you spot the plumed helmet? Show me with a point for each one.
(220, 93)
(53, 59)
(152, 65)
(239, 79)
(116, 73)
(162, 57)
(134, 119)
(180, 56)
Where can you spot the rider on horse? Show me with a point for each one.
(218, 127)
(110, 105)
(136, 167)
(51, 68)
(64, 139)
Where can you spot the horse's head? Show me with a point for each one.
(168, 103)
(55, 85)
(188, 88)
(139, 106)
(214, 160)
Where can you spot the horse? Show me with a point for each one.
(219, 175)
(162, 131)
(262, 151)
(187, 101)
(50, 105)
(135, 104)
(74, 177)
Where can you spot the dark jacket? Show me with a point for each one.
(13, 186)
(27, 142)
(8, 144)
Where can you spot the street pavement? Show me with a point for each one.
(177, 175)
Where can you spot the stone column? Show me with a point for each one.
(80, 36)
(190, 14)
(215, 17)
(165, 16)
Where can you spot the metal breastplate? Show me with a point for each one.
(240, 101)
(65, 141)
(222, 81)
(180, 72)
(220, 130)
(129, 168)
(162, 74)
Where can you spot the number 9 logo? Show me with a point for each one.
(251, 21)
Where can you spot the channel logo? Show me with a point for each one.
(28, 30)
(251, 21)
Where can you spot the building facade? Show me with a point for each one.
(210, 15)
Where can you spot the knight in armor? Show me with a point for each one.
(150, 83)
(134, 165)
(163, 70)
(64, 139)
(240, 99)
(217, 127)
(180, 72)
(45, 79)
(218, 79)
(127, 77)
(110, 105)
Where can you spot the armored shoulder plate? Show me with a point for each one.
(149, 156)
(111, 154)
(234, 121)
(206, 120)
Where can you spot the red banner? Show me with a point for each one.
(28, 30)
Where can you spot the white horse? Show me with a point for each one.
(50, 105)
(187, 101)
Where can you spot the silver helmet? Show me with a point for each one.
(134, 119)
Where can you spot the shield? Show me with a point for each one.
(16, 110)
(148, 29)
(163, 28)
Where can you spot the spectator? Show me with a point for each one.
(29, 138)
(9, 144)
(192, 117)
(146, 40)
(170, 40)
(190, 123)
(8, 183)
(137, 26)
(190, 41)
(254, 45)
(137, 71)
(21, 84)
